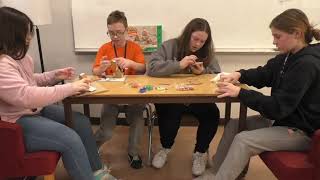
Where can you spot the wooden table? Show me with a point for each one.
(124, 93)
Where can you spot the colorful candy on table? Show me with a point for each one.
(142, 89)
(146, 88)
(163, 87)
(184, 87)
(188, 86)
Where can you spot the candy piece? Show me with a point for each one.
(142, 90)
(82, 75)
(135, 85)
(184, 88)
(160, 88)
(149, 87)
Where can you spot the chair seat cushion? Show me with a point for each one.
(37, 164)
(289, 165)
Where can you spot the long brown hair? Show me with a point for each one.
(15, 27)
(206, 52)
(293, 20)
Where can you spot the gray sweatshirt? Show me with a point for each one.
(164, 61)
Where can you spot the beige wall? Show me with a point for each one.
(58, 50)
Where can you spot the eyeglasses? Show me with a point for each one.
(113, 34)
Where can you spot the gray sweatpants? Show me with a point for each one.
(134, 116)
(235, 149)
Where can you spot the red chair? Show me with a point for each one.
(288, 165)
(16, 162)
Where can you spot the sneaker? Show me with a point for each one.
(160, 158)
(207, 175)
(104, 174)
(135, 161)
(199, 162)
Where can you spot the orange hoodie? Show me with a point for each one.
(133, 52)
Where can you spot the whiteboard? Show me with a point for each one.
(236, 25)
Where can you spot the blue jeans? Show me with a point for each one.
(46, 131)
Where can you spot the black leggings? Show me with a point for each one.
(170, 115)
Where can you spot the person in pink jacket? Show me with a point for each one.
(26, 98)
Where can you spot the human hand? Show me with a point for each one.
(124, 63)
(81, 86)
(226, 89)
(230, 77)
(187, 61)
(197, 68)
(64, 73)
(104, 64)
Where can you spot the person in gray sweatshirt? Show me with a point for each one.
(192, 52)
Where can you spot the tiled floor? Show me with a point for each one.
(178, 166)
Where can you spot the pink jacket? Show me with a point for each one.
(24, 92)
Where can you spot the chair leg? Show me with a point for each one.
(49, 177)
(150, 117)
(86, 110)
(150, 130)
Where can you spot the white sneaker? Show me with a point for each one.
(160, 158)
(207, 175)
(199, 162)
(103, 174)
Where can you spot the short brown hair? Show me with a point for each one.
(15, 27)
(117, 16)
(293, 20)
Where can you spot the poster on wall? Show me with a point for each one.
(148, 37)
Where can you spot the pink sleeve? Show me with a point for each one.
(17, 91)
(46, 78)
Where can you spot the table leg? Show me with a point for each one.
(243, 126)
(227, 112)
(242, 117)
(68, 114)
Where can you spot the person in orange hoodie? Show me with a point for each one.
(130, 59)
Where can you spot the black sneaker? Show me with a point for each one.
(135, 161)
